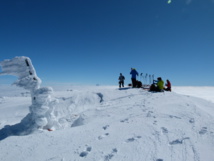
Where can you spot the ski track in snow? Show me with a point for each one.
(113, 125)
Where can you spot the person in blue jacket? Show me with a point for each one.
(134, 74)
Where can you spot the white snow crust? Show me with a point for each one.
(107, 124)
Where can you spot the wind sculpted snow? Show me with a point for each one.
(130, 124)
(41, 112)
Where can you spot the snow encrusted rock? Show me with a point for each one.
(22, 68)
(42, 108)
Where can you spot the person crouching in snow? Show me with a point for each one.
(157, 86)
(168, 86)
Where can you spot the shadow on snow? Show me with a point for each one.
(25, 127)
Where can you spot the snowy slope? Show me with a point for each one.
(106, 124)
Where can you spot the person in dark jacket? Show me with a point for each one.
(134, 74)
(121, 80)
(168, 86)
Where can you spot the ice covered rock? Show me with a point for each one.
(41, 111)
(22, 68)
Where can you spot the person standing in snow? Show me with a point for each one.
(134, 73)
(168, 86)
(121, 80)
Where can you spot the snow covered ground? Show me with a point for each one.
(103, 123)
(206, 93)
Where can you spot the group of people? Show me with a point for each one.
(157, 86)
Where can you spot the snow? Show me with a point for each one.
(206, 93)
(104, 123)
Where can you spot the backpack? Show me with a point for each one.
(139, 84)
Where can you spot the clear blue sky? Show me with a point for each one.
(92, 41)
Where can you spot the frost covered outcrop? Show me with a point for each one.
(24, 70)
(42, 108)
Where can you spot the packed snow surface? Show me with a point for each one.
(103, 123)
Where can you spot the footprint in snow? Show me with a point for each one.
(85, 153)
(164, 130)
(149, 114)
(105, 127)
(108, 157)
(132, 139)
(178, 141)
(192, 120)
(102, 136)
(203, 131)
(155, 122)
(125, 120)
(144, 110)
(171, 116)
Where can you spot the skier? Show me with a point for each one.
(168, 86)
(134, 73)
(158, 85)
(121, 80)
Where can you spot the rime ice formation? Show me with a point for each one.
(24, 70)
(42, 108)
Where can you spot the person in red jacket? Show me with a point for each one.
(168, 86)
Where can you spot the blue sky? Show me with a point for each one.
(92, 41)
